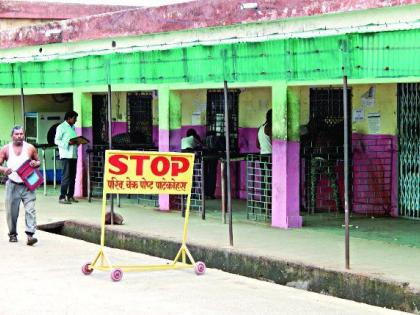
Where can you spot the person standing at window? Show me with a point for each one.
(191, 142)
(68, 155)
(264, 134)
(264, 144)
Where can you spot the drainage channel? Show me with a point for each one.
(347, 285)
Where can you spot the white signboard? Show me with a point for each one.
(374, 122)
(358, 115)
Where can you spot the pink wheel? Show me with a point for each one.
(116, 274)
(86, 269)
(200, 268)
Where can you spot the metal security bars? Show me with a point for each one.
(259, 181)
(372, 174)
(197, 192)
(99, 119)
(322, 166)
(215, 115)
(139, 117)
(322, 151)
(409, 149)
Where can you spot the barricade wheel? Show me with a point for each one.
(200, 268)
(86, 270)
(116, 274)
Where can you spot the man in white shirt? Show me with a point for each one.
(17, 153)
(68, 155)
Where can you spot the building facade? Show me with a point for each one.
(290, 57)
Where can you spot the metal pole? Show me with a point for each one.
(203, 197)
(110, 145)
(22, 99)
(228, 195)
(223, 189)
(346, 173)
(55, 167)
(44, 172)
(89, 191)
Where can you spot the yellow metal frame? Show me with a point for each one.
(102, 262)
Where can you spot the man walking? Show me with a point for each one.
(68, 155)
(16, 153)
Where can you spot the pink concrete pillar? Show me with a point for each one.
(78, 188)
(164, 141)
(285, 191)
(164, 136)
(285, 158)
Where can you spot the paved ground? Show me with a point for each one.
(311, 246)
(46, 279)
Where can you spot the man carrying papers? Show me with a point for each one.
(67, 148)
(17, 153)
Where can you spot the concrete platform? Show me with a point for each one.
(392, 269)
(46, 279)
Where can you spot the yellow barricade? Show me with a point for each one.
(135, 172)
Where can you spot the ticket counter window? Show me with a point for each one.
(139, 117)
(216, 118)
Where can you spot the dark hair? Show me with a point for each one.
(268, 116)
(191, 132)
(17, 127)
(70, 114)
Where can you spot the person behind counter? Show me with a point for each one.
(213, 144)
(191, 141)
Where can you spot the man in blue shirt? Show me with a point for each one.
(68, 155)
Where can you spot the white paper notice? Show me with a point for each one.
(196, 119)
(369, 98)
(374, 123)
(359, 114)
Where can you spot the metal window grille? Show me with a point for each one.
(179, 202)
(409, 152)
(322, 155)
(259, 179)
(216, 118)
(99, 119)
(139, 117)
(372, 174)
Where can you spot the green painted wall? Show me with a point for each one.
(293, 114)
(360, 56)
(11, 115)
(280, 114)
(175, 110)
